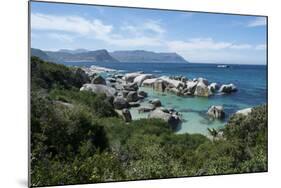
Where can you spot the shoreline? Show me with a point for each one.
(191, 121)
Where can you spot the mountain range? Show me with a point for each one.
(83, 55)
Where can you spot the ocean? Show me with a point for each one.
(251, 81)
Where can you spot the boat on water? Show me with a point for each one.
(223, 66)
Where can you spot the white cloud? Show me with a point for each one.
(97, 29)
(241, 46)
(260, 21)
(61, 37)
(205, 44)
(260, 47)
(72, 24)
(209, 50)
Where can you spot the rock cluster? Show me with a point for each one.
(124, 91)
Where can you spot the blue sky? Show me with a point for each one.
(198, 37)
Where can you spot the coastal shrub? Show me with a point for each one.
(48, 75)
(99, 104)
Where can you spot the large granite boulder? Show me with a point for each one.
(131, 87)
(120, 103)
(159, 85)
(205, 81)
(139, 79)
(202, 89)
(172, 119)
(171, 82)
(129, 77)
(173, 91)
(213, 87)
(228, 88)
(149, 82)
(99, 89)
(132, 96)
(216, 112)
(98, 80)
(190, 87)
(126, 115)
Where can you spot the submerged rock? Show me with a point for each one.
(99, 89)
(216, 112)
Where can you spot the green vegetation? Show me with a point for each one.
(76, 137)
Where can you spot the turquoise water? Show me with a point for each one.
(251, 81)
(192, 109)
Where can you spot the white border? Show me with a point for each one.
(13, 95)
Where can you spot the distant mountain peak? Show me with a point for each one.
(102, 55)
(144, 56)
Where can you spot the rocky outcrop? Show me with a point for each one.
(202, 89)
(99, 89)
(216, 112)
(171, 82)
(129, 77)
(131, 87)
(98, 80)
(120, 103)
(149, 82)
(245, 111)
(139, 79)
(132, 96)
(159, 85)
(228, 88)
(213, 87)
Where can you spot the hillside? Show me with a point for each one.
(39, 53)
(93, 56)
(142, 56)
(83, 55)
